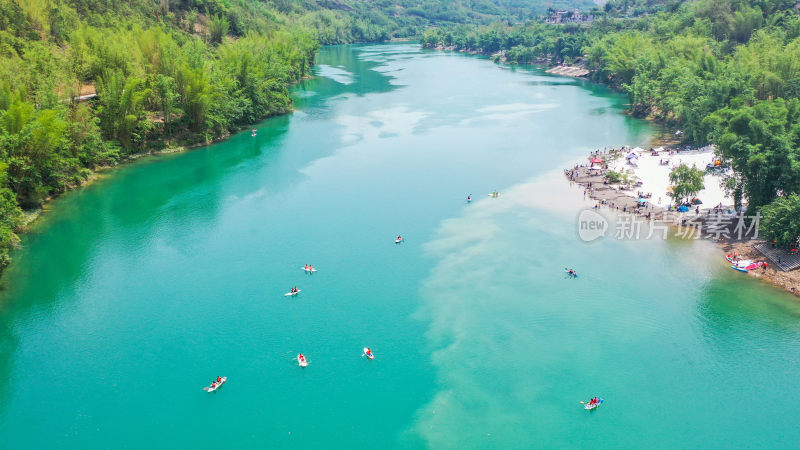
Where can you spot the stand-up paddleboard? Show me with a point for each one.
(291, 294)
(398, 240)
(302, 361)
(307, 270)
(368, 353)
(214, 386)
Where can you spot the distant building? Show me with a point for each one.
(574, 16)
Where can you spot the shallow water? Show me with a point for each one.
(136, 291)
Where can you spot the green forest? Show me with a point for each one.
(723, 72)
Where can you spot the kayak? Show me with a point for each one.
(291, 294)
(302, 361)
(309, 270)
(594, 405)
(369, 355)
(740, 269)
(214, 387)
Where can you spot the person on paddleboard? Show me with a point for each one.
(369, 352)
(399, 238)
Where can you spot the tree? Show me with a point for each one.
(218, 28)
(781, 220)
(120, 109)
(686, 182)
(760, 143)
(165, 95)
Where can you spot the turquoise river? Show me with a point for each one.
(133, 293)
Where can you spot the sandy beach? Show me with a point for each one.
(649, 177)
(653, 171)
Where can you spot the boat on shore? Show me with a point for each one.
(746, 265)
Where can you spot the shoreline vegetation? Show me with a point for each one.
(30, 216)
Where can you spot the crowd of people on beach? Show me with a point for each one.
(684, 215)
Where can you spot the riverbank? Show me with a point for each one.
(32, 215)
(626, 199)
(578, 69)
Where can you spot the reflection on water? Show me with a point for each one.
(336, 74)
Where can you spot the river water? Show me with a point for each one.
(135, 292)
